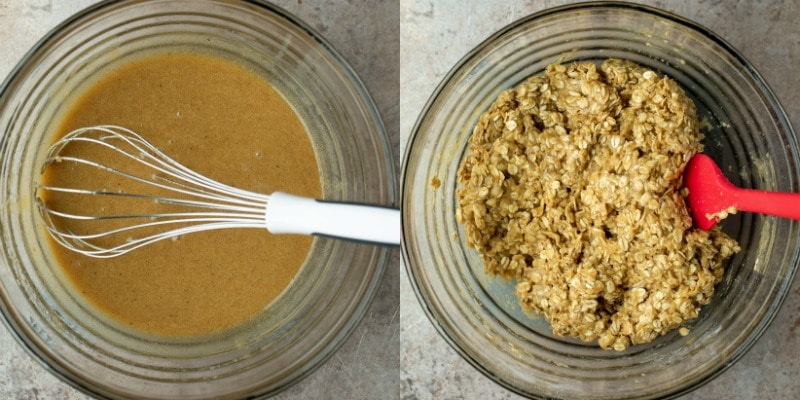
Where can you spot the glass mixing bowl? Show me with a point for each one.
(334, 286)
(479, 316)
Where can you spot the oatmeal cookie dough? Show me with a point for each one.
(572, 187)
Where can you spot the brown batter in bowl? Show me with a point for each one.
(226, 122)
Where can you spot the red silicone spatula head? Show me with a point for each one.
(709, 191)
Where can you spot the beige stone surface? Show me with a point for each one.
(367, 365)
(435, 34)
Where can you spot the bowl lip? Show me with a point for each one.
(422, 297)
(52, 364)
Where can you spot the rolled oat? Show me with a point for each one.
(572, 187)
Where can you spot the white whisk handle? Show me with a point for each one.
(358, 222)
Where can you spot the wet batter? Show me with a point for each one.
(223, 121)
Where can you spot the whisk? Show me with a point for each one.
(189, 202)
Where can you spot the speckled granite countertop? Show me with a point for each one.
(434, 35)
(367, 365)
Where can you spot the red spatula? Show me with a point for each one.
(711, 194)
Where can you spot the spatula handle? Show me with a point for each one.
(786, 205)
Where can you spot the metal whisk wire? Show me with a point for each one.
(214, 205)
(187, 201)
